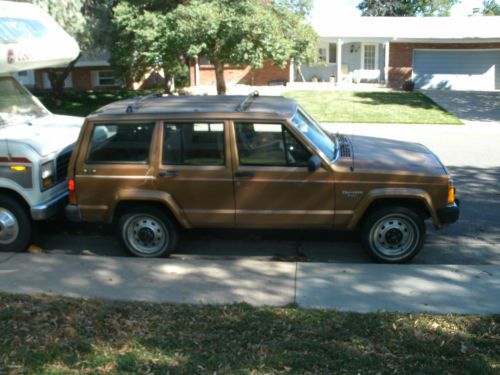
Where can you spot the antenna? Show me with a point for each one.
(246, 103)
(137, 103)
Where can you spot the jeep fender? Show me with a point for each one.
(392, 193)
(153, 196)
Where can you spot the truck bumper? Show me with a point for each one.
(449, 214)
(49, 208)
(73, 213)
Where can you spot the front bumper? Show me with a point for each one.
(449, 214)
(73, 213)
(49, 208)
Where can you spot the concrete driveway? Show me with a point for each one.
(469, 106)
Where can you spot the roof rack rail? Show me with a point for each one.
(137, 103)
(246, 103)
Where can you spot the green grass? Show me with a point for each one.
(372, 107)
(53, 335)
(83, 103)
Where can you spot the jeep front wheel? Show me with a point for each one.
(148, 232)
(15, 225)
(393, 234)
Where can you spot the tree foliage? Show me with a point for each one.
(491, 8)
(406, 7)
(239, 32)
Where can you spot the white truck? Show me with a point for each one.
(35, 145)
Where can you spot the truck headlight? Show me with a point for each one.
(47, 173)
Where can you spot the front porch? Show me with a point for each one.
(346, 61)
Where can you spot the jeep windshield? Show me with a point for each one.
(17, 105)
(313, 132)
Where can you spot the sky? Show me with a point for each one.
(324, 10)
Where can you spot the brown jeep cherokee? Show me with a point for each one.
(155, 164)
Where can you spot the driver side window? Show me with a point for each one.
(269, 144)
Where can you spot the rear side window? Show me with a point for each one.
(193, 143)
(120, 143)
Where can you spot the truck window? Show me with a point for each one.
(16, 103)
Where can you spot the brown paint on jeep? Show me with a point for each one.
(338, 194)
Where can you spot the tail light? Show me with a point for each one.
(451, 192)
(72, 191)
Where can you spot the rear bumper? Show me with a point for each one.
(73, 213)
(449, 214)
(49, 208)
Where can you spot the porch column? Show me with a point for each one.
(339, 61)
(196, 72)
(291, 71)
(386, 64)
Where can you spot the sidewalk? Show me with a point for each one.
(349, 287)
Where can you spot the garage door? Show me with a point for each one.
(456, 70)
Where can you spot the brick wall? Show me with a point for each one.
(242, 75)
(401, 57)
(81, 78)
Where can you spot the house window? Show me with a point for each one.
(332, 53)
(370, 57)
(203, 60)
(321, 55)
(106, 78)
(68, 82)
(23, 73)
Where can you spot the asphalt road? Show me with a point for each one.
(471, 152)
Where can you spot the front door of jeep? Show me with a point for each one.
(273, 185)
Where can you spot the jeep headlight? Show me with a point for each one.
(47, 173)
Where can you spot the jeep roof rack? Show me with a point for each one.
(246, 102)
(137, 103)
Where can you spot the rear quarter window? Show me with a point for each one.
(120, 143)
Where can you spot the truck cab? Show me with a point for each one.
(35, 145)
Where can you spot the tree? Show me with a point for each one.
(238, 32)
(138, 35)
(406, 7)
(491, 8)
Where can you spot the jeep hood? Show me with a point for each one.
(394, 156)
(45, 135)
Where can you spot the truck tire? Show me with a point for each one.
(393, 234)
(15, 225)
(148, 232)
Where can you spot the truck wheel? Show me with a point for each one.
(393, 234)
(15, 225)
(148, 232)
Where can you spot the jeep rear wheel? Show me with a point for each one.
(148, 232)
(15, 225)
(393, 234)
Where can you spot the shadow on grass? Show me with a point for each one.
(44, 334)
(410, 99)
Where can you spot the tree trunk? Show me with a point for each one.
(57, 78)
(219, 78)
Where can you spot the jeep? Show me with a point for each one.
(155, 164)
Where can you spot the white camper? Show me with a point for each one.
(35, 145)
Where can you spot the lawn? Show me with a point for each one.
(83, 103)
(53, 335)
(372, 107)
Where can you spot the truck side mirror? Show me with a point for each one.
(313, 163)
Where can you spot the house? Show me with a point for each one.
(456, 53)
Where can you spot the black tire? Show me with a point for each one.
(148, 232)
(16, 227)
(393, 234)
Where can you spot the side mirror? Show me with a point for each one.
(313, 163)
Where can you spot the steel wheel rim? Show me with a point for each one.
(146, 234)
(394, 236)
(9, 226)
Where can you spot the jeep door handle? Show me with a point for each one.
(168, 174)
(244, 174)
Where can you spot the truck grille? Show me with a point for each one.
(62, 162)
